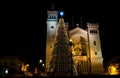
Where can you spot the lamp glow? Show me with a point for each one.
(61, 13)
(40, 61)
(6, 71)
(43, 65)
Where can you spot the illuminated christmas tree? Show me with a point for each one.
(61, 63)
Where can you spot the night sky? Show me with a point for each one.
(23, 26)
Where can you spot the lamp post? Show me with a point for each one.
(42, 65)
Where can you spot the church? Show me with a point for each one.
(85, 47)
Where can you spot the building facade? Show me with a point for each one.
(85, 46)
(10, 63)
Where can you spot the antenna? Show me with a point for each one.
(52, 6)
(77, 25)
(72, 20)
(81, 21)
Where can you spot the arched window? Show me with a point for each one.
(94, 42)
(83, 45)
(50, 17)
(93, 31)
(95, 53)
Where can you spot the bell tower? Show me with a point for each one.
(95, 49)
(52, 28)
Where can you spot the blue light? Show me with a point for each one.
(61, 13)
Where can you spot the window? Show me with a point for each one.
(90, 31)
(52, 36)
(94, 42)
(93, 31)
(50, 17)
(95, 53)
(50, 46)
(54, 17)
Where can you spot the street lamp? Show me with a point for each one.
(43, 65)
(70, 40)
(27, 65)
(40, 61)
(6, 71)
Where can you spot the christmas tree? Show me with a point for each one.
(61, 63)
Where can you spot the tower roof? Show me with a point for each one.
(79, 32)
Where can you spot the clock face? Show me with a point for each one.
(52, 27)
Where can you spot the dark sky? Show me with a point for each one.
(23, 25)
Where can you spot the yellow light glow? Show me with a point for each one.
(27, 65)
(112, 70)
(70, 40)
(24, 68)
(35, 70)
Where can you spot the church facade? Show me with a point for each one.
(84, 44)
